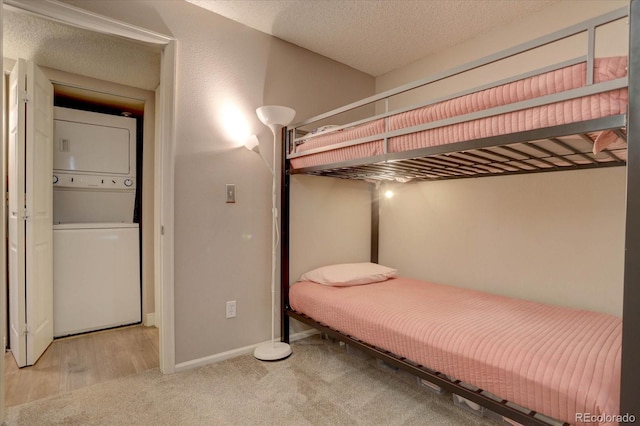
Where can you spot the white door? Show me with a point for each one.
(30, 213)
(16, 186)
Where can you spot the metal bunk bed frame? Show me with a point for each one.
(482, 158)
(523, 152)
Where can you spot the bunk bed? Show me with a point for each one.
(568, 116)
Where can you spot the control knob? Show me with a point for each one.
(128, 182)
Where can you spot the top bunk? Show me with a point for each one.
(565, 115)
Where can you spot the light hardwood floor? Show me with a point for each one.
(75, 362)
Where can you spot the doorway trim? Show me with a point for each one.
(165, 154)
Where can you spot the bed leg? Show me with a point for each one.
(630, 387)
(285, 194)
(375, 222)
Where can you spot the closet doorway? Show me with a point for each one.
(154, 208)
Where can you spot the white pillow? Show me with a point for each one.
(348, 274)
(323, 129)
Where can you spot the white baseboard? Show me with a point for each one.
(200, 362)
(150, 320)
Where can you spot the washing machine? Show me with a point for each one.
(96, 276)
(96, 241)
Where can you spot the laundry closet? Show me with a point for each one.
(80, 207)
(96, 236)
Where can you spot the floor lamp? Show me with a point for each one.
(275, 117)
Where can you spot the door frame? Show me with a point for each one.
(164, 164)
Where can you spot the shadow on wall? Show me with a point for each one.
(309, 83)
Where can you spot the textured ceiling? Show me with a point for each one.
(54, 45)
(374, 36)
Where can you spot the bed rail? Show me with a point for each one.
(542, 155)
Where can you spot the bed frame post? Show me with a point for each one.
(630, 387)
(375, 222)
(284, 237)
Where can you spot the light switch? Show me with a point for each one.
(231, 193)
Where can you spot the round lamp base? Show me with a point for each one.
(272, 351)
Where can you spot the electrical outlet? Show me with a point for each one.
(231, 309)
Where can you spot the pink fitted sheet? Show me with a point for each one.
(595, 106)
(555, 360)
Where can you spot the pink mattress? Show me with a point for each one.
(554, 360)
(575, 110)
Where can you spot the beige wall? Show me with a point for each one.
(331, 222)
(222, 251)
(611, 40)
(551, 237)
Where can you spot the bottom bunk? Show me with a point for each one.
(504, 353)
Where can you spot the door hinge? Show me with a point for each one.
(162, 230)
(25, 97)
(25, 215)
(27, 329)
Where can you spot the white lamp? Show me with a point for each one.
(275, 117)
(253, 144)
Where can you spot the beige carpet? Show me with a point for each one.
(320, 384)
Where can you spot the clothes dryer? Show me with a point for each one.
(96, 243)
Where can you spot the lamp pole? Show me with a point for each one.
(274, 117)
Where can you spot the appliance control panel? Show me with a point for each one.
(69, 180)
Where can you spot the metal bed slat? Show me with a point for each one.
(407, 168)
(384, 172)
(433, 169)
(620, 134)
(506, 157)
(493, 163)
(487, 167)
(447, 160)
(428, 162)
(572, 149)
(586, 138)
(410, 172)
(390, 170)
(612, 155)
(443, 172)
(436, 162)
(529, 157)
(553, 154)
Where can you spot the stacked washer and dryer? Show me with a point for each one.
(95, 238)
